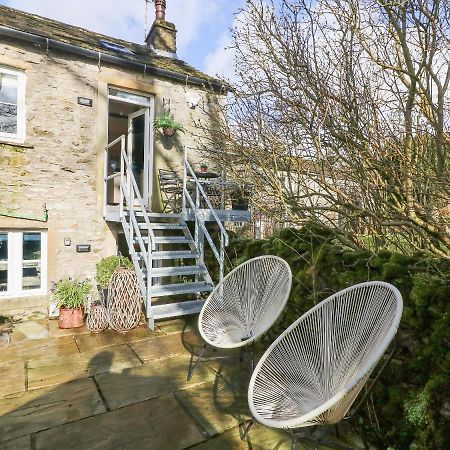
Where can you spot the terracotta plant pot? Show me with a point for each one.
(169, 131)
(71, 318)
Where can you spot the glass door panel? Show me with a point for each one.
(3, 262)
(31, 261)
(138, 145)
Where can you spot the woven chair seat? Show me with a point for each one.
(246, 303)
(314, 371)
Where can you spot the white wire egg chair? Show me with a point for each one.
(313, 372)
(245, 304)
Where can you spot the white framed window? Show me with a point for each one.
(23, 263)
(12, 105)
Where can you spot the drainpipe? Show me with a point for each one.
(36, 219)
(49, 43)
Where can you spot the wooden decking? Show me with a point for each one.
(76, 390)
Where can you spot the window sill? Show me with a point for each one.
(14, 144)
(9, 296)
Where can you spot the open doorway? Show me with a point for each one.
(131, 115)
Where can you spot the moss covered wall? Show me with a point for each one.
(412, 400)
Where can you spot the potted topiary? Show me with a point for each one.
(105, 269)
(71, 297)
(168, 124)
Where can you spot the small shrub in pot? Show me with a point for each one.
(71, 297)
(105, 269)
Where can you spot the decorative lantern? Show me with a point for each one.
(97, 319)
(124, 300)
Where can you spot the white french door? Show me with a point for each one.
(138, 149)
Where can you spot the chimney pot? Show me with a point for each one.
(160, 7)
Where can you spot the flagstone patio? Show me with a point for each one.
(77, 390)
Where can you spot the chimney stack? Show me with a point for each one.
(160, 6)
(162, 35)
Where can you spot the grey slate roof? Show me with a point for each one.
(80, 37)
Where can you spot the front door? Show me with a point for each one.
(138, 147)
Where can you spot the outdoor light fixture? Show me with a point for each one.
(83, 101)
(83, 248)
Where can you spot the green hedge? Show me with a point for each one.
(412, 400)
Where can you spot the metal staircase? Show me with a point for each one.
(168, 259)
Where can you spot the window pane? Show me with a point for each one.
(31, 275)
(3, 262)
(3, 246)
(128, 96)
(3, 276)
(8, 118)
(8, 88)
(31, 246)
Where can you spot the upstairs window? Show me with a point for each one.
(12, 105)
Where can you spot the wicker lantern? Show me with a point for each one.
(124, 300)
(97, 319)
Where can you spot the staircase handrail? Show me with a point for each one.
(135, 188)
(224, 239)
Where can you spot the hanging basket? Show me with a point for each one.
(97, 319)
(124, 300)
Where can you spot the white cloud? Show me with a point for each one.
(220, 62)
(125, 19)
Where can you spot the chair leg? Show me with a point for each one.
(247, 430)
(193, 366)
(294, 439)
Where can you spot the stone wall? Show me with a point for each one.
(61, 161)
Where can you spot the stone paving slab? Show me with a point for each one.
(40, 348)
(167, 346)
(55, 331)
(260, 438)
(177, 325)
(158, 424)
(57, 370)
(12, 378)
(33, 329)
(108, 338)
(32, 411)
(22, 443)
(149, 380)
(215, 406)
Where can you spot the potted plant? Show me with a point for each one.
(240, 198)
(105, 269)
(203, 167)
(71, 297)
(168, 124)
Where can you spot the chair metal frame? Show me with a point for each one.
(171, 190)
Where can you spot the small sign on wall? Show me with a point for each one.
(83, 248)
(83, 101)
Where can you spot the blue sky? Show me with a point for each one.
(202, 24)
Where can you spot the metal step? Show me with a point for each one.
(177, 271)
(177, 309)
(156, 215)
(180, 288)
(175, 254)
(163, 226)
(171, 240)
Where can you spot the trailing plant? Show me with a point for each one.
(70, 293)
(167, 121)
(411, 397)
(107, 266)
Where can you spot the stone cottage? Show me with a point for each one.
(65, 93)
